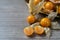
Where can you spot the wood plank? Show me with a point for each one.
(13, 15)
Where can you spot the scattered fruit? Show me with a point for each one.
(45, 22)
(28, 31)
(39, 30)
(31, 19)
(50, 6)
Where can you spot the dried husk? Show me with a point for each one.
(55, 25)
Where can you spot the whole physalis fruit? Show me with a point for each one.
(28, 31)
(39, 30)
(36, 2)
(31, 19)
(49, 5)
(45, 22)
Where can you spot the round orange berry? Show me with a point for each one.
(45, 22)
(28, 31)
(39, 30)
(31, 19)
(49, 5)
(36, 2)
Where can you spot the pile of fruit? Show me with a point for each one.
(43, 14)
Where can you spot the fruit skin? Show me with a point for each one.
(28, 31)
(49, 6)
(31, 19)
(36, 2)
(45, 22)
(39, 30)
(58, 9)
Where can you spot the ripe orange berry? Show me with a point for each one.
(39, 30)
(45, 22)
(49, 5)
(31, 19)
(28, 31)
(36, 2)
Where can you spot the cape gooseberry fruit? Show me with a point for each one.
(39, 30)
(31, 19)
(28, 31)
(45, 22)
(49, 5)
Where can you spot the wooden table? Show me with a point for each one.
(13, 15)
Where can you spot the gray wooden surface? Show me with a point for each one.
(13, 15)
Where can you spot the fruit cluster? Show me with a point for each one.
(44, 22)
(38, 29)
(29, 31)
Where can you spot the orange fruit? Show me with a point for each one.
(28, 31)
(31, 19)
(36, 2)
(49, 5)
(39, 30)
(45, 22)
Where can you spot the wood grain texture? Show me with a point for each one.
(13, 15)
